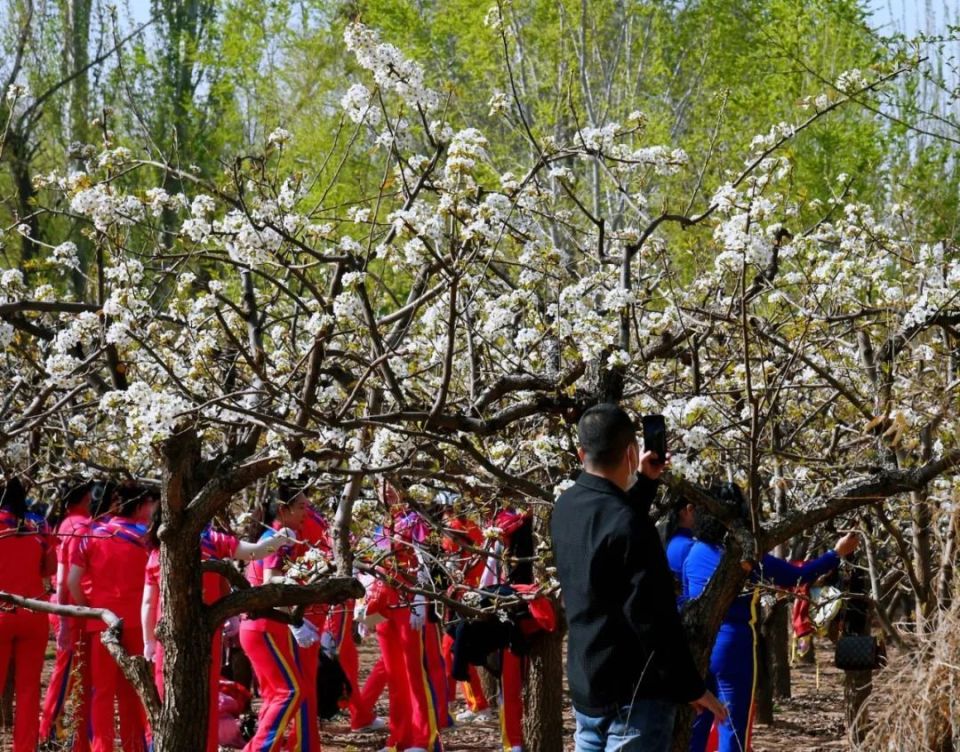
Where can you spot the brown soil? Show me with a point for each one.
(810, 721)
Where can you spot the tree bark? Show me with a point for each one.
(543, 694)
(773, 664)
(186, 633)
(921, 525)
(856, 689)
(543, 688)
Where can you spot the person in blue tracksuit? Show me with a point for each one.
(679, 540)
(733, 660)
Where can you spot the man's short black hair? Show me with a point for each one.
(605, 431)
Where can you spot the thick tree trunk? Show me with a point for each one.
(543, 694)
(543, 688)
(77, 57)
(773, 678)
(187, 637)
(184, 630)
(491, 687)
(856, 690)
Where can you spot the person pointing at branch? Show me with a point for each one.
(628, 663)
(734, 655)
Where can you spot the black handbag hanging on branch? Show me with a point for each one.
(857, 649)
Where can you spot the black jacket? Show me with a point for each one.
(625, 636)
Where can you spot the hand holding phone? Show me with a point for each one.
(655, 437)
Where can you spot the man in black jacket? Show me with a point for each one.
(628, 661)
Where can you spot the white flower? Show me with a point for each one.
(279, 137)
(353, 279)
(356, 104)
(498, 103)
(196, 229)
(618, 359)
(11, 279)
(850, 81)
(203, 206)
(6, 334)
(23, 229)
(17, 91)
(157, 200)
(65, 254)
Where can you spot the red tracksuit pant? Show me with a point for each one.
(70, 681)
(437, 669)
(413, 707)
(24, 634)
(472, 690)
(368, 696)
(511, 700)
(109, 685)
(308, 721)
(272, 652)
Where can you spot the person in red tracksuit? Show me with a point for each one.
(401, 625)
(515, 542)
(114, 556)
(26, 558)
(458, 530)
(313, 532)
(71, 661)
(337, 635)
(272, 649)
(213, 546)
(77, 688)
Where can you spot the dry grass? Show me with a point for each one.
(915, 703)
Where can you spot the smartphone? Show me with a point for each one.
(655, 436)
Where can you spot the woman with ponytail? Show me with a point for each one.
(214, 546)
(271, 647)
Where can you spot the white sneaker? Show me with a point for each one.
(377, 724)
(474, 716)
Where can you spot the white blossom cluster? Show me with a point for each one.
(391, 70)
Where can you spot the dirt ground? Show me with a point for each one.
(810, 721)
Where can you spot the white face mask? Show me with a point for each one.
(632, 477)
